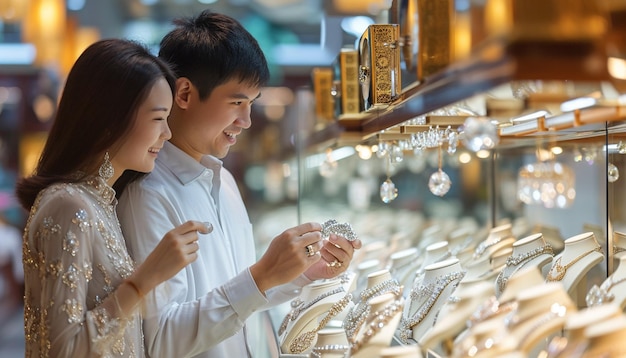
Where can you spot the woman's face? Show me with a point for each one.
(150, 130)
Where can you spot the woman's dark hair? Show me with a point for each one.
(211, 49)
(98, 107)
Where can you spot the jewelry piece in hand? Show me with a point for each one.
(335, 263)
(342, 229)
(310, 251)
(209, 227)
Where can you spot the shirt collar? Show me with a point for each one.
(183, 166)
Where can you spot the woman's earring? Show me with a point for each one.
(106, 169)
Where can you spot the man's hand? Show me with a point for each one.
(337, 253)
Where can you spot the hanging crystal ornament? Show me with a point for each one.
(329, 165)
(613, 173)
(621, 147)
(397, 153)
(439, 182)
(479, 133)
(388, 190)
(383, 149)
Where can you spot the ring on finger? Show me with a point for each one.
(310, 251)
(335, 263)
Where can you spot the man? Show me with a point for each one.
(203, 310)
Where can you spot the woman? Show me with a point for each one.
(82, 291)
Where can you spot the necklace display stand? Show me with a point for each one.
(430, 235)
(454, 315)
(403, 264)
(379, 326)
(495, 309)
(613, 289)
(529, 251)
(331, 343)
(378, 283)
(458, 240)
(318, 300)
(580, 254)
(409, 351)
(606, 339)
(363, 270)
(540, 313)
(479, 269)
(574, 341)
(499, 238)
(427, 298)
(434, 253)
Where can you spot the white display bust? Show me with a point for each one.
(499, 237)
(434, 253)
(606, 339)
(528, 251)
(541, 312)
(493, 310)
(453, 316)
(404, 351)
(427, 298)
(580, 254)
(316, 300)
(613, 289)
(331, 343)
(363, 269)
(457, 239)
(403, 264)
(378, 283)
(381, 324)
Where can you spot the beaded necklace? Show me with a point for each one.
(317, 352)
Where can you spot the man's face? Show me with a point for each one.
(211, 126)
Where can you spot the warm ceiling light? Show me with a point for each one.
(617, 67)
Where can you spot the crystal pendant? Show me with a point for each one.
(621, 147)
(388, 191)
(613, 173)
(439, 183)
(479, 134)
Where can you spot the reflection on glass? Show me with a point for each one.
(550, 184)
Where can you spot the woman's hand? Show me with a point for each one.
(177, 249)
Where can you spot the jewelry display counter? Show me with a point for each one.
(488, 191)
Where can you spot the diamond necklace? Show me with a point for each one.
(433, 291)
(519, 261)
(299, 306)
(355, 317)
(303, 341)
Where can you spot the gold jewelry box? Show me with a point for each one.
(379, 65)
(346, 82)
(322, 88)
